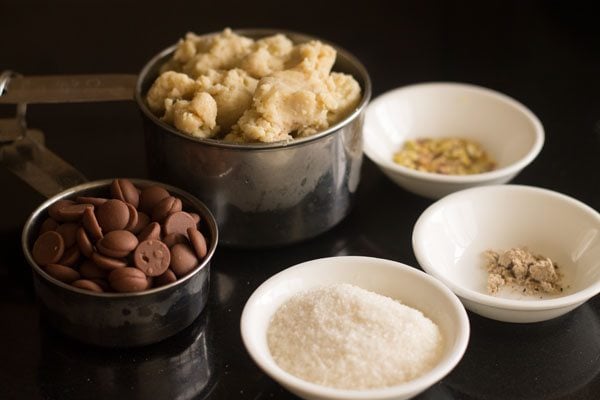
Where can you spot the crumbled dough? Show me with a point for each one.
(267, 55)
(517, 267)
(288, 101)
(170, 85)
(196, 117)
(232, 91)
(346, 94)
(255, 91)
(313, 56)
(197, 55)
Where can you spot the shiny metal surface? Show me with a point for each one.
(263, 194)
(28, 158)
(66, 88)
(122, 319)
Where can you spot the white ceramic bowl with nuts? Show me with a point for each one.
(509, 132)
(451, 236)
(389, 278)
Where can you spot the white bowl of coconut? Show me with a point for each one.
(354, 328)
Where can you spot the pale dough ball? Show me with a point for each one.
(267, 56)
(288, 101)
(233, 91)
(312, 56)
(196, 118)
(346, 95)
(223, 51)
(170, 85)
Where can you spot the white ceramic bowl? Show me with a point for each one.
(409, 285)
(451, 235)
(505, 128)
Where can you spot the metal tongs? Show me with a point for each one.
(22, 150)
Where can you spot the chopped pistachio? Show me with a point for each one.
(448, 156)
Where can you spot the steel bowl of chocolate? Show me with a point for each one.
(121, 262)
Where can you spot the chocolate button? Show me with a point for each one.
(68, 231)
(124, 190)
(152, 257)
(106, 262)
(48, 225)
(165, 279)
(84, 243)
(90, 270)
(174, 238)
(53, 210)
(48, 248)
(87, 285)
(117, 244)
(112, 215)
(73, 212)
(95, 201)
(151, 232)
(90, 223)
(62, 273)
(133, 218)
(198, 242)
(178, 222)
(196, 217)
(103, 283)
(183, 259)
(150, 197)
(126, 280)
(143, 221)
(71, 256)
(165, 207)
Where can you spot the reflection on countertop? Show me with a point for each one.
(558, 356)
(180, 367)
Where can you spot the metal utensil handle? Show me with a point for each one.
(16, 89)
(30, 160)
(23, 152)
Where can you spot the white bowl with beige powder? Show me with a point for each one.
(354, 328)
(528, 232)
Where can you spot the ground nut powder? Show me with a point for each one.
(520, 269)
(346, 337)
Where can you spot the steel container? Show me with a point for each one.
(182, 367)
(263, 194)
(122, 319)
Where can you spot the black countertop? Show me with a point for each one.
(544, 54)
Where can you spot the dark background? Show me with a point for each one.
(544, 54)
